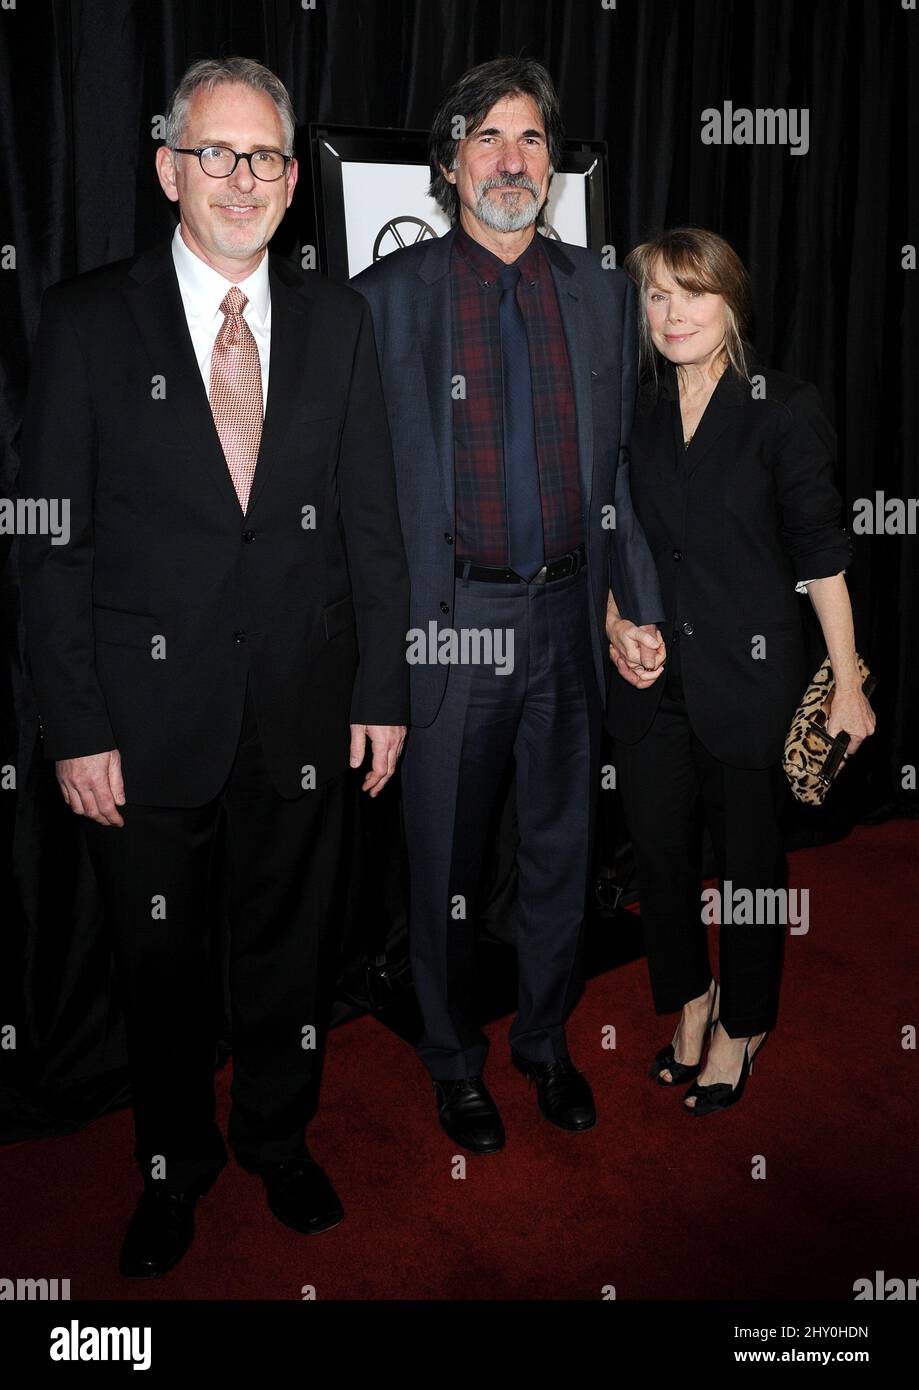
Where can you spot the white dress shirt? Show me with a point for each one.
(203, 290)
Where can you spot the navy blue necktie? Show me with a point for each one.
(525, 552)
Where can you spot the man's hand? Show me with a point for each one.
(93, 786)
(638, 653)
(386, 742)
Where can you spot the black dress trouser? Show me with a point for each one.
(666, 779)
(284, 865)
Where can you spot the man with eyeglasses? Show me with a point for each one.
(221, 637)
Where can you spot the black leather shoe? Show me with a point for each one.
(562, 1092)
(469, 1115)
(301, 1196)
(158, 1234)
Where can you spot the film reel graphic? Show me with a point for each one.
(391, 236)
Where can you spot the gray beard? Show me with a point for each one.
(504, 216)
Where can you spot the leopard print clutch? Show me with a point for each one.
(813, 759)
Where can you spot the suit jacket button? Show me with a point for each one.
(448, 538)
(445, 608)
(248, 537)
(686, 629)
(239, 636)
(678, 555)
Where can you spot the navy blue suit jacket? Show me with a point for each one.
(409, 294)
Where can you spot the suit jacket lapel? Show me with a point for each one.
(433, 311)
(291, 329)
(576, 338)
(723, 407)
(156, 303)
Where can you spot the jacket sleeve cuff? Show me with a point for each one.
(822, 560)
(76, 741)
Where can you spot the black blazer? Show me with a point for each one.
(159, 548)
(734, 522)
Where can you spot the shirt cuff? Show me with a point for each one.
(801, 586)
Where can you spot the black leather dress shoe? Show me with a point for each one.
(469, 1115)
(301, 1196)
(562, 1092)
(158, 1234)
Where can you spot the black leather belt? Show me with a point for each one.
(561, 568)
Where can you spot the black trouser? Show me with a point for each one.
(284, 863)
(665, 779)
(545, 714)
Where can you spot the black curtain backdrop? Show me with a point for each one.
(822, 233)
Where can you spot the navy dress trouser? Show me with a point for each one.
(544, 714)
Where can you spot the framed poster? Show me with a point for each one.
(371, 190)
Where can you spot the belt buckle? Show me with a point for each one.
(540, 576)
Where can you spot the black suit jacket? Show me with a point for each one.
(141, 631)
(734, 522)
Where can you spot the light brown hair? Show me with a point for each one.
(698, 260)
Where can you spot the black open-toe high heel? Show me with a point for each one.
(720, 1095)
(682, 1071)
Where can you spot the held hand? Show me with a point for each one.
(638, 653)
(386, 742)
(93, 786)
(652, 658)
(850, 710)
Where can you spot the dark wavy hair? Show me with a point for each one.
(472, 97)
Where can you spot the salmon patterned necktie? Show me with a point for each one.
(236, 393)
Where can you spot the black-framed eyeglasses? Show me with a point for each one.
(219, 161)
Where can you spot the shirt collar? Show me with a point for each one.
(204, 288)
(488, 266)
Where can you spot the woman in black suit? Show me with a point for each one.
(732, 481)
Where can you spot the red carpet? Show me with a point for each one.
(652, 1201)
